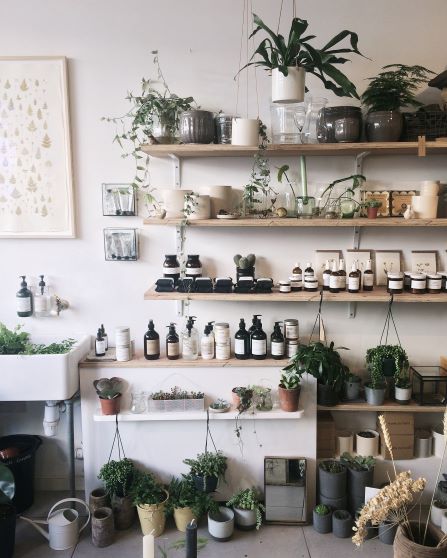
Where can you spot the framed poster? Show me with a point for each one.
(387, 261)
(423, 261)
(36, 185)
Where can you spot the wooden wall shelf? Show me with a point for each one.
(306, 223)
(379, 294)
(386, 407)
(322, 149)
(141, 362)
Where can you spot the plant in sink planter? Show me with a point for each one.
(332, 477)
(289, 389)
(383, 361)
(372, 207)
(118, 477)
(17, 342)
(352, 387)
(150, 498)
(206, 469)
(187, 503)
(109, 393)
(7, 512)
(324, 363)
(322, 519)
(247, 509)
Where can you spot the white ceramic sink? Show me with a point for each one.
(42, 377)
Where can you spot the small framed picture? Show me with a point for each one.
(119, 200)
(387, 261)
(400, 200)
(382, 196)
(424, 261)
(359, 256)
(321, 257)
(120, 245)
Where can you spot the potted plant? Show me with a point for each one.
(247, 509)
(360, 474)
(322, 519)
(402, 386)
(109, 393)
(335, 203)
(7, 512)
(289, 389)
(245, 265)
(367, 442)
(118, 477)
(323, 362)
(262, 398)
(387, 531)
(332, 479)
(383, 361)
(220, 406)
(289, 61)
(206, 469)
(391, 89)
(372, 207)
(438, 509)
(342, 524)
(150, 498)
(352, 387)
(186, 502)
(221, 524)
(242, 397)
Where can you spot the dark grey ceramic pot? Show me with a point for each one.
(358, 480)
(342, 524)
(332, 485)
(384, 125)
(374, 396)
(335, 503)
(197, 126)
(387, 532)
(322, 523)
(352, 389)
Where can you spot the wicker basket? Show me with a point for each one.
(431, 124)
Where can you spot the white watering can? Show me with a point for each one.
(63, 525)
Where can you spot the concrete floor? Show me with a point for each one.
(271, 541)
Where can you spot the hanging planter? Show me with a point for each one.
(289, 88)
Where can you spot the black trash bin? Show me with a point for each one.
(22, 467)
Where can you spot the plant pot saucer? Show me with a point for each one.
(224, 410)
(228, 216)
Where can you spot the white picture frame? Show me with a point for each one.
(321, 256)
(36, 179)
(387, 261)
(361, 256)
(424, 261)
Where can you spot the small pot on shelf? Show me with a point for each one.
(402, 395)
(367, 443)
(372, 212)
(326, 395)
(375, 395)
(352, 388)
(384, 126)
(289, 399)
(110, 406)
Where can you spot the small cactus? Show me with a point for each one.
(244, 262)
(236, 259)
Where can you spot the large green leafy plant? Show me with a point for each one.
(208, 464)
(395, 87)
(146, 490)
(275, 52)
(16, 342)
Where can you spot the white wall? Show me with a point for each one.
(108, 45)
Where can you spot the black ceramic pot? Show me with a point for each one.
(332, 485)
(197, 126)
(7, 530)
(209, 484)
(384, 125)
(326, 396)
(342, 524)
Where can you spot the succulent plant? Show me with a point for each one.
(108, 388)
(244, 262)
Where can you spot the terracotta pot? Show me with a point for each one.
(289, 399)
(236, 399)
(110, 406)
(372, 212)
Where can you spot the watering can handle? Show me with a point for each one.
(72, 500)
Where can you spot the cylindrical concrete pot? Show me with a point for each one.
(197, 126)
(152, 517)
(402, 395)
(322, 523)
(387, 532)
(345, 442)
(103, 530)
(334, 503)
(438, 440)
(374, 396)
(202, 210)
(290, 88)
(245, 520)
(423, 442)
(182, 517)
(352, 389)
(174, 202)
(384, 125)
(245, 131)
(98, 499)
(221, 524)
(289, 399)
(342, 524)
(355, 503)
(332, 485)
(437, 512)
(367, 446)
(220, 198)
(425, 207)
(123, 512)
(358, 480)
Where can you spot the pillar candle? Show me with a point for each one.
(148, 546)
(191, 539)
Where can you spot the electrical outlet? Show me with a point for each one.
(79, 453)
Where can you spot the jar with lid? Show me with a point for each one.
(291, 347)
(221, 332)
(223, 350)
(311, 284)
(407, 281)
(193, 267)
(434, 283)
(285, 287)
(291, 328)
(171, 267)
(418, 283)
(395, 282)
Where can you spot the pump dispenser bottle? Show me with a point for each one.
(24, 300)
(172, 343)
(334, 280)
(100, 344)
(190, 340)
(368, 277)
(151, 343)
(207, 342)
(342, 276)
(42, 304)
(277, 345)
(254, 323)
(259, 342)
(354, 279)
(242, 342)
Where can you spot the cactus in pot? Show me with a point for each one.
(245, 265)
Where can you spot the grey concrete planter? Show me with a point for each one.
(332, 485)
(335, 503)
(342, 524)
(387, 532)
(374, 396)
(357, 480)
(352, 389)
(322, 523)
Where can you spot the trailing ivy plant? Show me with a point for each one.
(375, 357)
(248, 499)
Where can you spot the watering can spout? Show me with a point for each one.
(34, 523)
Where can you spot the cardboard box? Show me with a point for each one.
(403, 446)
(325, 435)
(398, 423)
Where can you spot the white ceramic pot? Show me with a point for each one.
(245, 131)
(202, 210)
(436, 516)
(345, 442)
(173, 202)
(367, 446)
(444, 522)
(425, 207)
(221, 524)
(429, 188)
(220, 197)
(290, 88)
(402, 395)
(245, 519)
(438, 441)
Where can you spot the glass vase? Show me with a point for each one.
(314, 106)
(305, 207)
(286, 119)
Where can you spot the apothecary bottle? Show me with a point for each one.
(308, 271)
(242, 342)
(259, 342)
(277, 344)
(334, 280)
(368, 277)
(311, 284)
(24, 300)
(354, 279)
(291, 328)
(100, 344)
(327, 276)
(172, 344)
(342, 276)
(193, 267)
(151, 343)
(207, 342)
(171, 267)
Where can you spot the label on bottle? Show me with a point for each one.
(296, 277)
(190, 348)
(368, 279)
(239, 346)
(259, 347)
(152, 346)
(342, 282)
(326, 279)
(106, 340)
(354, 283)
(415, 284)
(24, 304)
(207, 347)
(222, 335)
(310, 283)
(223, 351)
(171, 271)
(397, 284)
(308, 274)
(291, 331)
(193, 271)
(434, 283)
(291, 348)
(334, 282)
(296, 284)
(277, 348)
(173, 349)
(40, 304)
(100, 347)
(122, 354)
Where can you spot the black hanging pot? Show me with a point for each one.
(388, 367)
(326, 395)
(7, 530)
(205, 484)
